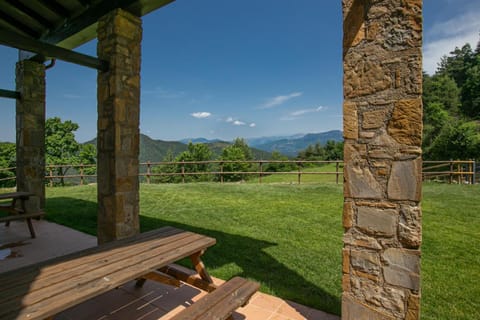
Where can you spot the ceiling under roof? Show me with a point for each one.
(65, 23)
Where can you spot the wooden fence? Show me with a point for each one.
(461, 172)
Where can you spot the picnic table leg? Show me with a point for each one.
(30, 227)
(200, 267)
(12, 208)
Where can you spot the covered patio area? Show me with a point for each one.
(382, 117)
(152, 301)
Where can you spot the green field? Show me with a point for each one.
(289, 236)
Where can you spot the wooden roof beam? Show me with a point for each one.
(47, 50)
(9, 94)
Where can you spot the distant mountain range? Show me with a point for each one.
(156, 150)
(292, 145)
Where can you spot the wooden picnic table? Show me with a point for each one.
(16, 212)
(45, 289)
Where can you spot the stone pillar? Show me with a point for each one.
(382, 131)
(30, 127)
(118, 94)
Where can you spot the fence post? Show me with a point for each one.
(474, 178)
(221, 172)
(183, 171)
(260, 170)
(51, 176)
(148, 172)
(451, 172)
(337, 167)
(459, 173)
(81, 175)
(299, 172)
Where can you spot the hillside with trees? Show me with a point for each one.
(451, 107)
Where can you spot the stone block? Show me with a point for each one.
(354, 152)
(355, 310)
(410, 226)
(402, 268)
(357, 239)
(380, 222)
(364, 73)
(405, 180)
(361, 183)
(374, 119)
(413, 309)
(365, 261)
(346, 261)
(405, 125)
(348, 214)
(346, 282)
(350, 121)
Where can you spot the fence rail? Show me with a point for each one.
(461, 172)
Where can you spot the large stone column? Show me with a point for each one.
(30, 127)
(382, 131)
(119, 42)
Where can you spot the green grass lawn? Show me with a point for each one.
(289, 237)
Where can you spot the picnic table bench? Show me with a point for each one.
(42, 290)
(18, 212)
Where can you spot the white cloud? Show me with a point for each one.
(278, 100)
(229, 120)
(252, 125)
(201, 115)
(443, 37)
(238, 123)
(304, 111)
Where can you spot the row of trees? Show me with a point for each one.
(238, 151)
(61, 148)
(451, 100)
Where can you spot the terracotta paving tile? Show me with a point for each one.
(293, 311)
(277, 316)
(251, 312)
(266, 302)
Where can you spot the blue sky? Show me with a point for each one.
(226, 69)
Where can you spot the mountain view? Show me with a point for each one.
(155, 150)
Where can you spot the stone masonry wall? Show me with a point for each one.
(382, 131)
(119, 42)
(30, 132)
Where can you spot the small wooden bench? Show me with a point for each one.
(221, 303)
(18, 212)
(42, 290)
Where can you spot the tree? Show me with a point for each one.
(457, 140)
(441, 89)
(7, 160)
(60, 144)
(333, 150)
(279, 166)
(167, 169)
(242, 144)
(234, 153)
(471, 91)
(87, 156)
(195, 153)
(457, 63)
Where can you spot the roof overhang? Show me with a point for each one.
(63, 23)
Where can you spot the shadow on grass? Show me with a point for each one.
(246, 256)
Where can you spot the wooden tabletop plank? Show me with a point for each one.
(51, 299)
(60, 273)
(87, 255)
